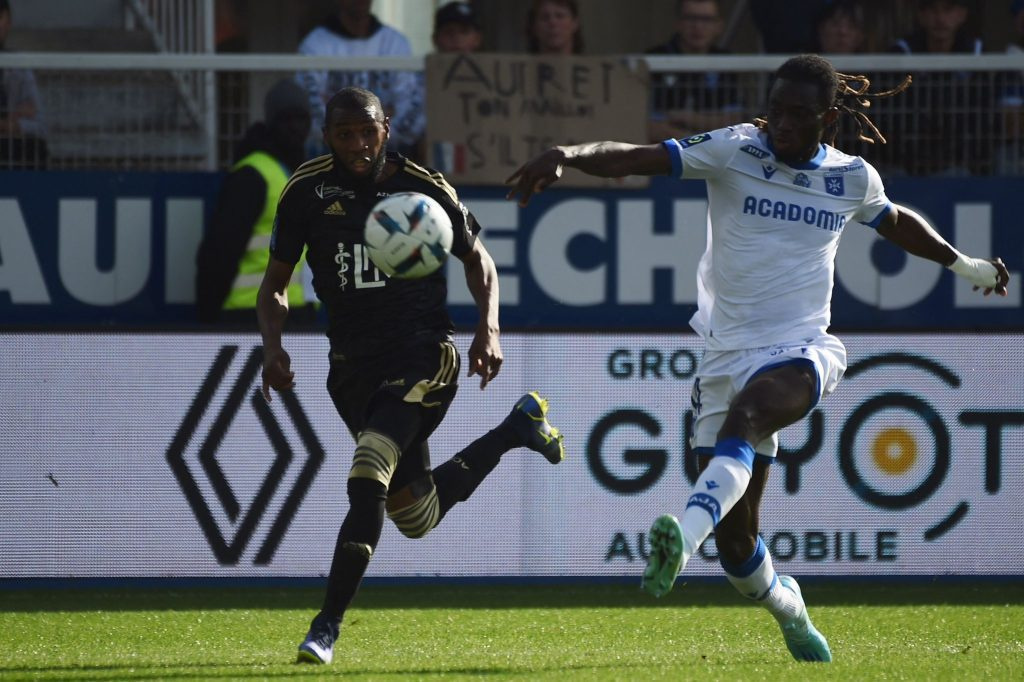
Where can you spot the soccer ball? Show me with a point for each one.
(408, 235)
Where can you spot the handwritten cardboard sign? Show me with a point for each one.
(487, 114)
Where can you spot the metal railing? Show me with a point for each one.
(185, 27)
(962, 115)
(176, 26)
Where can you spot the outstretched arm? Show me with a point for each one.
(913, 234)
(272, 311)
(603, 159)
(485, 356)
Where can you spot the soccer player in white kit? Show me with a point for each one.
(778, 201)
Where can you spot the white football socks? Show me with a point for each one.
(717, 489)
(757, 580)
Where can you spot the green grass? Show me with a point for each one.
(904, 631)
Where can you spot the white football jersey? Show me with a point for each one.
(773, 229)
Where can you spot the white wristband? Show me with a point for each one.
(977, 271)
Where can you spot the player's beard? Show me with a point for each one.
(376, 168)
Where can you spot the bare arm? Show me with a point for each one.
(913, 234)
(485, 356)
(272, 311)
(603, 159)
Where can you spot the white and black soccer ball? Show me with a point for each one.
(408, 235)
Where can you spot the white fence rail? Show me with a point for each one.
(962, 115)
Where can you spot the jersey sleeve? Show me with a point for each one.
(876, 204)
(290, 229)
(701, 156)
(464, 225)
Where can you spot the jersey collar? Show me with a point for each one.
(813, 164)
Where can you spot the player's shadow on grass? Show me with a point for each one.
(283, 670)
(693, 593)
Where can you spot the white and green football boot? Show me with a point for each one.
(665, 557)
(802, 639)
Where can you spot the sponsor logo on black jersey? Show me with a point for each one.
(334, 209)
(325, 191)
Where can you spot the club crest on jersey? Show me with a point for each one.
(695, 139)
(834, 185)
(768, 170)
(801, 180)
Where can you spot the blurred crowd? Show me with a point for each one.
(968, 108)
(943, 106)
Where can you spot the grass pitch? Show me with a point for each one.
(951, 630)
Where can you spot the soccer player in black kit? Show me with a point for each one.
(393, 367)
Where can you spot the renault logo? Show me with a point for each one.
(229, 549)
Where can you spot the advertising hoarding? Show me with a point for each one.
(153, 455)
(106, 248)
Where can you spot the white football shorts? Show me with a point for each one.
(722, 374)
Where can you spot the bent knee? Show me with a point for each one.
(415, 509)
(376, 457)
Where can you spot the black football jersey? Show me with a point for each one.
(367, 311)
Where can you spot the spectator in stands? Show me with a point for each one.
(947, 115)
(22, 135)
(354, 32)
(687, 103)
(940, 30)
(456, 28)
(236, 248)
(553, 27)
(229, 30)
(841, 28)
(787, 26)
(1010, 86)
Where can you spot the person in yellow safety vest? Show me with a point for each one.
(236, 247)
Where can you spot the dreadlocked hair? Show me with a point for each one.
(849, 94)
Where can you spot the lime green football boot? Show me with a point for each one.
(665, 557)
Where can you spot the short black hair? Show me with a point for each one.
(813, 69)
(351, 99)
(5, 6)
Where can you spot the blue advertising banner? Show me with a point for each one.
(88, 248)
(119, 249)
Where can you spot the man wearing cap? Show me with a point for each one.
(456, 28)
(236, 248)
